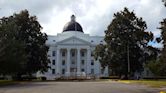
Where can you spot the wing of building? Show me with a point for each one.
(71, 53)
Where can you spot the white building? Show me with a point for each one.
(71, 53)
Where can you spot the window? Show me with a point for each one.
(63, 62)
(82, 62)
(147, 72)
(82, 54)
(92, 54)
(53, 53)
(63, 71)
(73, 54)
(73, 62)
(53, 62)
(92, 62)
(54, 40)
(63, 53)
(82, 70)
(91, 40)
(92, 71)
(53, 71)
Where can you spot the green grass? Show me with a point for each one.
(152, 83)
(6, 82)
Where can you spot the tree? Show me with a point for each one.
(157, 67)
(101, 56)
(12, 54)
(29, 32)
(126, 40)
(160, 64)
(164, 2)
(162, 39)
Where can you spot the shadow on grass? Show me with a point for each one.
(22, 84)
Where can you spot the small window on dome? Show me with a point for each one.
(54, 40)
(91, 40)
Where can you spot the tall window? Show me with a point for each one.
(63, 71)
(73, 54)
(92, 54)
(53, 71)
(82, 70)
(92, 71)
(82, 54)
(53, 53)
(63, 62)
(92, 62)
(82, 62)
(63, 53)
(73, 62)
(53, 62)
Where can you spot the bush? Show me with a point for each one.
(43, 78)
(2, 78)
(110, 77)
(23, 77)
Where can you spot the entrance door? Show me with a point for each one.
(73, 72)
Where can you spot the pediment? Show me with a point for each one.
(73, 41)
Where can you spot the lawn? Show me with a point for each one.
(6, 82)
(152, 83)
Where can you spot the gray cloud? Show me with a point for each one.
(93, 15)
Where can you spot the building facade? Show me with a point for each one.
(71, 54)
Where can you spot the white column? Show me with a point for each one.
(88, 64)
(57, 61)
(68, 62)
(78, 61)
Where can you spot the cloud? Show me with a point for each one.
(93, 15)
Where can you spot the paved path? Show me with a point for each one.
(76, 87)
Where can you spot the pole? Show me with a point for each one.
(128, 61)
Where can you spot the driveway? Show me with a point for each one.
(76, 87)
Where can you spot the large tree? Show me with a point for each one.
(12, 51)
(163, 52)
(28, 31)
(126, 41)
(158, 67)
(163, 40)
(164, 2)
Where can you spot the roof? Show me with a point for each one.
(72, 25)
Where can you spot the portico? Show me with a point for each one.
(76, 60)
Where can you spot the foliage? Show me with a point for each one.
(162, 39)
(164, 2)
(126, 33)
(12, 51)
(156, 67)
(28, 39)
(101, 55)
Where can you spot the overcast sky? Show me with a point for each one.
(93, 15)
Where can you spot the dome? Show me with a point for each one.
(72, 26)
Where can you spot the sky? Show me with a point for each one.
(93, 15)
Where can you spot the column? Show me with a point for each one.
(57, 61)
(88, 64)
(78, 61)
(68, 62)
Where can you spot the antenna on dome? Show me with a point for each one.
(73, 18)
